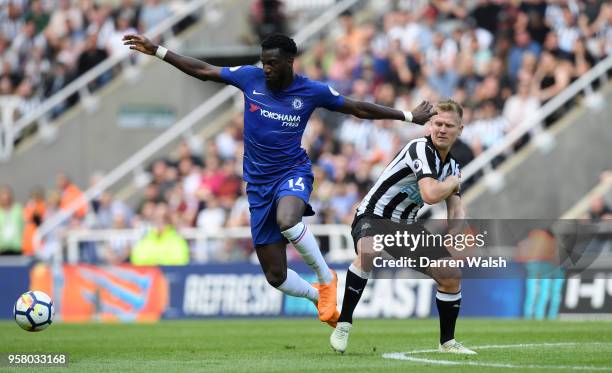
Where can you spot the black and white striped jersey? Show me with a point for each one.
(396, 195)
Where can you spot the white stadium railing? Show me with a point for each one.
(79, 86)
(339, 241)
(182, 126)
(339, 236)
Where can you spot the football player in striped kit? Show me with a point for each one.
(424, 171)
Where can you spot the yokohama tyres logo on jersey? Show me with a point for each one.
(287, 119)
(278, 116)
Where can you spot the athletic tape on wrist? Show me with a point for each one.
(407, 116)
(161, 52)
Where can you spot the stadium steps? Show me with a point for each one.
(542, 184)
(92, 141)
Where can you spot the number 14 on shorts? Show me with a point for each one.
(297, 185)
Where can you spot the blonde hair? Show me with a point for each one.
(450, 105)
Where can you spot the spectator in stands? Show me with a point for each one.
(11, 223)
(9, 61)
(599, 209)
(108, 209)
(51, 243)
(90, 57)
(66, 16)
(27, 100)
(59, 78)
(114, 44)
(211, 218)
(267, 17)
(153, 13)
(117, 249)
(36, 69)
(442, 78)
(599, 32)
(228, 140)
(209, 221)
(229, 190)
(551, 76)
(190, 175)
(101, 23)
(26, 40)
(213, 176)
(70, 194)
(11, 20)
(39, 15)
(583, 59)
(567, 31)
(487, 130)
(162, 174)
(33, 215)
(469, 79)
(162, 245)
(185, 151)
(523, 44)
(239, 214)
(131, 10)
(521, 105)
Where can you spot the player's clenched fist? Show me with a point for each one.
(140, 43)
(422, 113)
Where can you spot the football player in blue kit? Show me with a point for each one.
(277, 106)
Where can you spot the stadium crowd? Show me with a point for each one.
(46, 44)
(500, 59)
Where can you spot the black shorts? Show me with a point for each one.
(372, 225)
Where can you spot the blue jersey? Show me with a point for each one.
(274, 121)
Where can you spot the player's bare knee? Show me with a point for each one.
(287, 220)
(276, 276)
(366, 253)
(448, 279)
(451, 285)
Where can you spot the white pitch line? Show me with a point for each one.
(520, 345)
(403, 356)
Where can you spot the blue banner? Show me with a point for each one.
(239, 290)
(14, 281)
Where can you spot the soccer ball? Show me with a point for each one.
(34, 311)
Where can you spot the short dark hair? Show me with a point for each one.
(280, 41)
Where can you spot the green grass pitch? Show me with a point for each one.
(286, 345)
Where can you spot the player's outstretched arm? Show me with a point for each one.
(367, 110)
(194, 67)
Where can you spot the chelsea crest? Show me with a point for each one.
(297, 103)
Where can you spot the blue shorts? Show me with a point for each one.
(263, 199)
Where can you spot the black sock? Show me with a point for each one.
(448, 309)
(353, 288)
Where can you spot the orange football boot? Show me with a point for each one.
(334, 319)
(327, 304)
